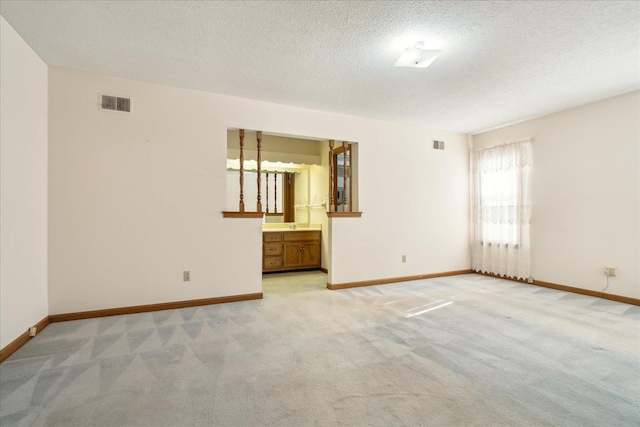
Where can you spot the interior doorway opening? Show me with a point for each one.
(294, 282)
(296, 184)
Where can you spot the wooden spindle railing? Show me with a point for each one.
(241, 213)
(259, 142)
(241, 205)
(345, 173)
(332, 189)
(275, 193)
(267, 189)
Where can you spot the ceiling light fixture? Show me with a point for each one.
(417, 57)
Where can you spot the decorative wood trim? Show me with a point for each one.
(42, 324)
(334, 287)
(259, 145)
(275, 193)
(22, 339)
(346, 207)
(228, 214)
(288, 196)
(344, 214)
(151, 307)
(324, 270)
(566, 288)
(617, 298)
(588, 292)
(267, 191)
(241, 204)
(332, 189)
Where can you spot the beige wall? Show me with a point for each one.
(414, 201)
(23, 193)
(136, 199)
(586, 188)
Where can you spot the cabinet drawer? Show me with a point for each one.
(272, 237)
(269, 249)
(272, 263)
(298, 236)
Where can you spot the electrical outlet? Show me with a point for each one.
(530, 280)
(610, 271)
(404, 258)
(32, 331)
(186, 276)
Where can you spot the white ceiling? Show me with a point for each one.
(502, 61)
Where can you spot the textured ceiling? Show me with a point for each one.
(502, 61)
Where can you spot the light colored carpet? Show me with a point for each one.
(455, 351)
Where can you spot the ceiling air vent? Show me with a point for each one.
(115, 103)
(438, 145)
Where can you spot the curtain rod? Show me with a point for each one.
(518, 141)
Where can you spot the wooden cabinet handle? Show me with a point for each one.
(272, 249)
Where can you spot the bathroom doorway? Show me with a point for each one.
(292, 193)
(294, 282)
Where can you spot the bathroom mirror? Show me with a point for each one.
(279, 197)
(284, 191)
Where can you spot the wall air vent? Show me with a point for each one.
(115, 103)
(438, 145)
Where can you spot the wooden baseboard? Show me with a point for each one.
(151, 307)
(344, 214)
(334, 287)
(22, 339)
(227, 214)
(612, 297)
(324, 270)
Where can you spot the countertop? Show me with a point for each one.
(280, 228)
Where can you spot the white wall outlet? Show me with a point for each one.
(404, 258)
(530, 280)
(610, 271)
(32, 331)
(186, 276)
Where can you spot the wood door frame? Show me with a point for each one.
(289, 196)
(334, 159)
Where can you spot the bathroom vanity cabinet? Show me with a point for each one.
(290, 250)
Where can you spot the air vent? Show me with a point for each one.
(438, 145)
(115, 103)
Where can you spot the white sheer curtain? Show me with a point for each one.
(501, 209)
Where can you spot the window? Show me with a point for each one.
(501, 209)
(499, 201)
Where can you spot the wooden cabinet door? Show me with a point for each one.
(311, 254)
(292, 256)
